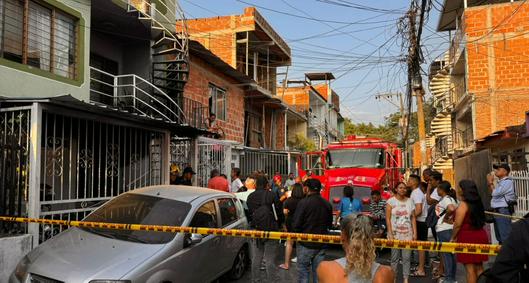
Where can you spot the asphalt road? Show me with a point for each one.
(384, 258)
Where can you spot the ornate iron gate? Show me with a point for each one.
(14, 166)
(212, 154)
(85, 162)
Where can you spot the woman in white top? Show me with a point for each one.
(445, 209)
(400, 220)
(358, 265)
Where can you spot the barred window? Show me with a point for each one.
(46, 41)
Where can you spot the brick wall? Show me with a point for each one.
(498, 64)
(201, 75)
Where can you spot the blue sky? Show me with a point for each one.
(358, 45)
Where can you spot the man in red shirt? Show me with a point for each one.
(218, 182)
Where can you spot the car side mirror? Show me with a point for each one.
(192, 239)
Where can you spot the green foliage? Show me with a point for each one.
(391, 130)
(302, 143)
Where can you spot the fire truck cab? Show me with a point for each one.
(365, 163)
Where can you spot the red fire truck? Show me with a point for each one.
(365, 163)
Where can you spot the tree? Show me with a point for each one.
(391, 129)
(302, 143)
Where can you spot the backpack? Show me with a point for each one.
(432, 218)
(264, 217)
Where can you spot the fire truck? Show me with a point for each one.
(363, 162)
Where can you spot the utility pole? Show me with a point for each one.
(414, 72)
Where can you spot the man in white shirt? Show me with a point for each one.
(419, 200)
(236, 183)
(290, 181)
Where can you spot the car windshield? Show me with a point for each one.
(139, 209)
(356, 158)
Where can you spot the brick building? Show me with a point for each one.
(319, 104)
(248, 44)
(483, 83)
(218, 89)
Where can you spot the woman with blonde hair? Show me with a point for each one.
(358, 265)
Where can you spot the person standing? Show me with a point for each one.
(289, 209)
(502, 194)
(432, 198)
(359, 264)
(217, 182)
(400, 220)
(290, 182)
(419, 200)
(511, 263)
(445, 211)
(187, 176)
(313, 216)
(348, 204)
(236, 182)
(468, 228)
(262, 206)
(377, 209)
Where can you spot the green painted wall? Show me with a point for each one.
(17, 80)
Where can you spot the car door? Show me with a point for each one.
(230, 219)
(203, 254)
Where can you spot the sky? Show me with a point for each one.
(356, 40)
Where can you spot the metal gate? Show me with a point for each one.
(268, 161)
(182, 152)
(14, 166)
(85, 162)
(212, 154)
(521, 185)
(475, 167)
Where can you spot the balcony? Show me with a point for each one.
(133, 94)
(464, 139)
(302, 110)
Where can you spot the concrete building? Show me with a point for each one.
(91, 95)
(482, 85)
(319, 104)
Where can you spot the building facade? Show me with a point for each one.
(482, 85)
(91, 94)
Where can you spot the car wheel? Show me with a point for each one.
(239, 264)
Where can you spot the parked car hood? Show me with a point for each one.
(76, 255)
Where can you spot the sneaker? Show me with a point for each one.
(294, 259)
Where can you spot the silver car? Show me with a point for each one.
(92, 255)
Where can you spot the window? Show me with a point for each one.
(140, 209)
(50, 43)
(217, 102)
(228, 211)
(356, 158)
(254, 135)
(206, 216)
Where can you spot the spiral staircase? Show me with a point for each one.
(441, 125)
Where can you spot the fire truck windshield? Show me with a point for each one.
(355, 158)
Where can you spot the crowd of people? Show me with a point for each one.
(453, 214)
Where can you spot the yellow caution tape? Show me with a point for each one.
(447, 247)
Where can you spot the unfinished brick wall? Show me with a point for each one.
(498, 64)
(201, 75)
(295, 95)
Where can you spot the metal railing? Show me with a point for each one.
(132, 93)
(455, 44)
(521, 185)
(164, 17)
(303, 110)
(195, 112)
(441, 147)
(464, 138)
